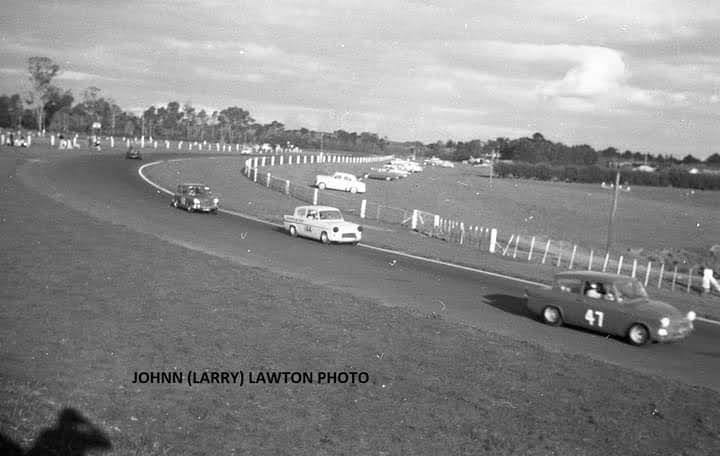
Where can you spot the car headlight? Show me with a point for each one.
(665, 322)
(335, 229)
(196, 201)
(216, 200)
(691, 315)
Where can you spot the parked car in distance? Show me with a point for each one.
(195, 197)
(133, 153)
(385, 173)
(340, 181)
(324, 223)
(611, 304)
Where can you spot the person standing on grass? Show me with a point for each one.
(709, 266)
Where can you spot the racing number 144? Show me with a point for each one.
(594, 316)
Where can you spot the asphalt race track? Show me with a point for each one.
(108, 187)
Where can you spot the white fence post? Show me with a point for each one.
(647, 272)
(363, 207)
(268, 179)
(413, 223)
(660, 277)
(462, 232)
(142, 141)
(517, 240)
(287, 187)
(572, 257)
(315, 196)
(547, 247)
(272, 160)
(262, 161)
(255, 172)
(167, 144)
(180, 145)
(52, 140)
(605, 263)
(620, 264)
(281, 159)
(532, 246)
(154, 144)
(590, 260)
(112, 142)
(634, 269)
(493, 240)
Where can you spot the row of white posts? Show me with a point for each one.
(444, 225)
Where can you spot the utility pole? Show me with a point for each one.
(616, 193)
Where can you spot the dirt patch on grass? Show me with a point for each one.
(241, 194)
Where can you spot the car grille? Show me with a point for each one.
(349, 236)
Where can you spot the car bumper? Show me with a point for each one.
(205, 207)
(673, 333)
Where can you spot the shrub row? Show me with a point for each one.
(671, 177)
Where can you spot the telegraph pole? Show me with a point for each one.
(616, 193)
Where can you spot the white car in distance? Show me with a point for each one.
(324, 223)
(340, 181)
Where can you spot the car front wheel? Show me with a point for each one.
(293, 231)
(324, 238)
(551, 316)
(638, 334)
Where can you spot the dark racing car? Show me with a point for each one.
(611, 304)
(133, 153)
(195, 197)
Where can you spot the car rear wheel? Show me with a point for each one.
(638, 334)
(324, 238)
(174, 204)
(293, 231)
(551, 316)
(190, 209)
(321, 185)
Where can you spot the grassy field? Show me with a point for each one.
(239, 193)
(74, 326)
(648, 218)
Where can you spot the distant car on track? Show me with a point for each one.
(133, 153)
(385, 173)
(340, 181)
(324, 223)
(609, 303)
(195, 197)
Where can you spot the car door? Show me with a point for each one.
(596, 313)
(310, 225)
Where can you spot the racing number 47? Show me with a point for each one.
(594, 317)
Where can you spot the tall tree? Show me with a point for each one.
(42, 70)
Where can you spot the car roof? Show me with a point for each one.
(318, 208)
(590, 275)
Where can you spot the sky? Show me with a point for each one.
(640, 75)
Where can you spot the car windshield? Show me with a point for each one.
(631, 289)
(330, 215)
(199, 191)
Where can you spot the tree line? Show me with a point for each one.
(46, 106)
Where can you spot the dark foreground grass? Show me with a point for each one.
(241, 194)
(85, 304)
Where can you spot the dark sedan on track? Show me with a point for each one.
(195, 197)
(611, 304)
(133, 153)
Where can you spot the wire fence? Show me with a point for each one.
(519, 247)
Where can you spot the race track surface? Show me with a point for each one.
(108, 187)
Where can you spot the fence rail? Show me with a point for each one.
(517, 246)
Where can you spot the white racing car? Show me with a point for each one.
(324, 223)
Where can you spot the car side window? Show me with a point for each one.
(312, 215)
(300, 213)
(569, 285)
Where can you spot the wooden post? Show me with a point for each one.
(613, 210)
(647, 273)
(547, 248)
(620, 261)
(605, 263)
(634, 268)
(517, 239)
(508, 244)
(660, 277)
(672, 287)
(532, 246)
(572, 257)
(590, 260)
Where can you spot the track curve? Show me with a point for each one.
(108, 187)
